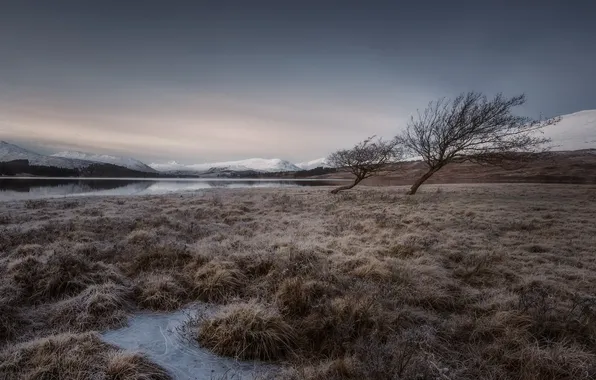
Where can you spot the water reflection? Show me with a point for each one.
(34, 188)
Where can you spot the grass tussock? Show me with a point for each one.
(96, 307)
(470, 282)
(247, 331)
(150, 256)
(159, 291)
(394, 356)
(297, 297)
(41, 279)
(128, 366)
(217, 281)
(333, 327)
(74, 356)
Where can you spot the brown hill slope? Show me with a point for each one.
(558, 167)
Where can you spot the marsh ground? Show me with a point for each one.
(456, 282)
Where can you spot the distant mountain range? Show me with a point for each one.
(15, 160)
(318, 163)
(576, 131)
(126, 162)
(11, 152)
(255, 164)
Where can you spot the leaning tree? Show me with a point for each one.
(366, 159)
(472, 128)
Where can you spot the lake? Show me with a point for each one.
(36, 188)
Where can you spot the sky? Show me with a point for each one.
(203, 81)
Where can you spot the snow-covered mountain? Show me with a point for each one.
(253, 164)
(168, 166)
(126, 162)
(67, 160)
(319, 162)
(11, 152)
(574, 131)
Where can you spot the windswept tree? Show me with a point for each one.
(472, 128)
(366, 159)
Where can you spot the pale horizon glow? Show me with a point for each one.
(197, 129)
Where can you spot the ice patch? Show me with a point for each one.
(158, 336)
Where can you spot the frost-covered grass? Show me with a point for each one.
(74, 356)
(456, 282)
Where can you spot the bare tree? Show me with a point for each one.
(472, 128)
(366, 159)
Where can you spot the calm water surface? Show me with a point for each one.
(35, 188)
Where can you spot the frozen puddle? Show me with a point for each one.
(157, 335)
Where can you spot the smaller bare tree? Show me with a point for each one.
(472, 128)
(366, 159)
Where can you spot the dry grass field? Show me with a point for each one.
(456, 282)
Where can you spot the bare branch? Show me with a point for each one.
(366, 159)
(473, 128)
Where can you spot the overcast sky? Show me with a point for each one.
(198, 81)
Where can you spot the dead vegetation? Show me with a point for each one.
(218, 280)
(74, 356)
(106, 304)
(39, 279)
(246, 331)
(9, 321)
(469, 282)
(161, 291)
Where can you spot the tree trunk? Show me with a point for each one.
(420, 181)
(346, 187)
